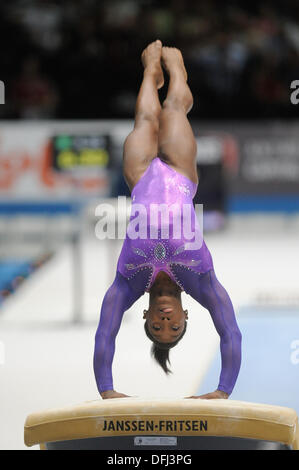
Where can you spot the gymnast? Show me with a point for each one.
(159, 165)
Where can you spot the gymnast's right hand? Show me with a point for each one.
(112, 394)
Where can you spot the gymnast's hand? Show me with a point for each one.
(112, 394)
(212, 395)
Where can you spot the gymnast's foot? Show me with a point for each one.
(173, 62)
(179, 94)
(151, 60)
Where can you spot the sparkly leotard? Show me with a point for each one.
(162, 186)
(172, 243)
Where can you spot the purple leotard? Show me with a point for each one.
(170, 245)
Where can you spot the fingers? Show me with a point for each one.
(208, 396)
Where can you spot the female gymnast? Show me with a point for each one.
(160, 168)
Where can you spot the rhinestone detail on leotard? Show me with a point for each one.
(159, 251)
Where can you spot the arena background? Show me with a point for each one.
(70, 73)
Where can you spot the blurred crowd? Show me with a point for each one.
(80, 59)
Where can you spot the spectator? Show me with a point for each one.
(241, 57)
(33, 95)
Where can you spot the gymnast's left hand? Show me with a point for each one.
(213, 395)
(112, 394)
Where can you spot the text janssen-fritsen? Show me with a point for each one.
(162, 425)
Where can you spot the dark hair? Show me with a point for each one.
(160, 351)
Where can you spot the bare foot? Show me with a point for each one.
(172, 60)
(151, 60)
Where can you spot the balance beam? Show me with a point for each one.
(135, 423)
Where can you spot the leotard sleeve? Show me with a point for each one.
(119, 297)
(207, 290)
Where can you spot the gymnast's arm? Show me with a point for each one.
(118, 298)
(212, 295)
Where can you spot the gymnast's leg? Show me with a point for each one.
(176, 142)
(141, 145)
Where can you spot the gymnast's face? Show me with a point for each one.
(165, 319)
